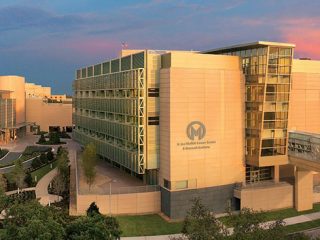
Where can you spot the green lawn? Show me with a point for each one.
(147, 225)
(302, 226)
(279, 214)
(43, 171)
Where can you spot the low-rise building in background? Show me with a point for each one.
(27, 107)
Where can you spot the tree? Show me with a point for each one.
(201, 224)
(59, 186)
(28, 179)
(94, 227)
(59, 150)
(36, 163)
(30, 220)
(4, 200)
(61, 181)
(93, 209)
(42, 139)
(3, 183)
(89, 159)
(43, 158)
(50, 156)
(18, 174)
(63, 162)
(248, 224)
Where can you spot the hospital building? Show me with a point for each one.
(236, 126)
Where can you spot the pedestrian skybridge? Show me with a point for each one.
(304, 150)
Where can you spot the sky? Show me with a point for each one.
(47, 40)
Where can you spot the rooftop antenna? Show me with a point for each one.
(124, 45)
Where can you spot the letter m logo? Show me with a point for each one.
(196, 129)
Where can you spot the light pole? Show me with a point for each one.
(110, 193)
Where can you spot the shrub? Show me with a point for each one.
(63, 134)
(42, 139)
(59, 150)
(54, 138)
(93, 209)
(43, 158)
(28, 180)
(22, 196)
(31, 150)
(50, 156)
(36, 163)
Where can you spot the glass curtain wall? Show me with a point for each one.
(109, 110)
(267, 71)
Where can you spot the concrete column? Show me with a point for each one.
(276, 173)
(303, 189)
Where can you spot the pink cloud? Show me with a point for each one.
(305, 33)
(93, 46)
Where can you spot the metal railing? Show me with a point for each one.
(304, 145)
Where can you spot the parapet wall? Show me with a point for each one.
(132, 203)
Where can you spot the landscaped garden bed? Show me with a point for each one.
(22, 196)
(54, 139)
(29, 153)
(61, 135)
(43, 170)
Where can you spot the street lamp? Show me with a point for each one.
(110, 193)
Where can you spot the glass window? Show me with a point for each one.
(90, 71)
(84, 73)
(285, 51)
(97, 69)
(153, 120)
(106, 67)
(153, 92)
(166, 184)
(273, 51)
(78, 74)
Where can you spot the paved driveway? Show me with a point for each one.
(9, 158)
(21, 143)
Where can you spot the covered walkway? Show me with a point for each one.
(304, 153)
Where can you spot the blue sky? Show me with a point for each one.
(46, 40)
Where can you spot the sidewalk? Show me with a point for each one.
(287, 221)
(42, 189)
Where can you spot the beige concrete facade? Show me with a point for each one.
(187, 94)
(63, 98)
(48, 114)
(37, 91)
(304, 116)
(303, 189)
(16, 85)
(132, 203)
(304, 111)
(266, 198)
